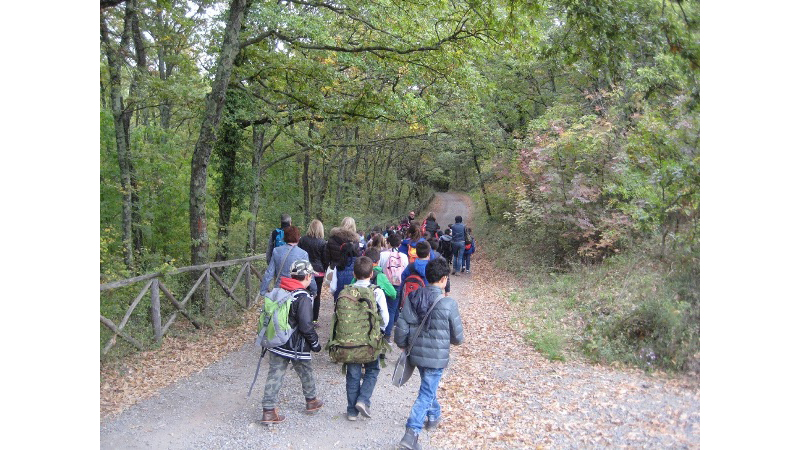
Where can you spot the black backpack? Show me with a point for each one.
(444, 247)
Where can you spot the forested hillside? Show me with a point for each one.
(575, 124)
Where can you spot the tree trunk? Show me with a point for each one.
(340, 181)
(121, 125)
(323, 189)
(385, 184)
(226, 146)
(306, 191)
(480, 178)
(215, 102)
(259, 131)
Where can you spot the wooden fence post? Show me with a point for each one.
(207, 299)
(155, 310)
(247, 284)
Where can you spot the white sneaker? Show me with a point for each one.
(363, 409)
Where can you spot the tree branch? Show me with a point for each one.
(109, 3)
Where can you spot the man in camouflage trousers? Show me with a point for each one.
(297, 349)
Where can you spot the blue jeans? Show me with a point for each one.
(458, 254)
(391, 305)
(359, 388)
(466, 260)
(426, 403)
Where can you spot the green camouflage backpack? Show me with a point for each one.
(356, 327)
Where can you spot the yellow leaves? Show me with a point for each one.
(416, 127)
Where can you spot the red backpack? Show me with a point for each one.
(413, 282)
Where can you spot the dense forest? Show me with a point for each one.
(574, 123)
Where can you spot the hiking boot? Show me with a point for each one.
(432, 424)
(363, 409)
(313, 405)
(409, 440)
(272, 416)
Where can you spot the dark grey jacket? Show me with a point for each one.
(432, 347)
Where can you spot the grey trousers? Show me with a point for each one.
(277, 369)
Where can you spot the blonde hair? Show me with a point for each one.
(348, 223)
(315, 229)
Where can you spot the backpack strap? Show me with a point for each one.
(422, 323)
(283, 263)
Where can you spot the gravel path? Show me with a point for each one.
(497, 393)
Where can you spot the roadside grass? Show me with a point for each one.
(634, 308)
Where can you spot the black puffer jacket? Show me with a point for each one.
(335, 246)
(431, 227)
(315, 247)
(304, 338)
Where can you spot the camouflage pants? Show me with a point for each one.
(277, 369)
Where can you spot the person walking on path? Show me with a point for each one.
(418, 267)
(409, 245)
(284, 256)
(297, 349)
(469, 249)
(314, 244)
(341, 251)
(361, 378)
(457, 244)
(430, 352)
(276, 237)
(406, 222)
(393, 263)
(430, 226)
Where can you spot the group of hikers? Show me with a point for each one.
(397, 278)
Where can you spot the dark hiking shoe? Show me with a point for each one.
(363, 409)
(272, 416)
(432, 424)
(313, 405)
(409, 440)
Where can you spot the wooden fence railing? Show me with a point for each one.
(156, 287)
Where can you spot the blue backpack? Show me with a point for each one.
(279, 237)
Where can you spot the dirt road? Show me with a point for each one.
(497, 393)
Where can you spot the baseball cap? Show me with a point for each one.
(301, 267)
